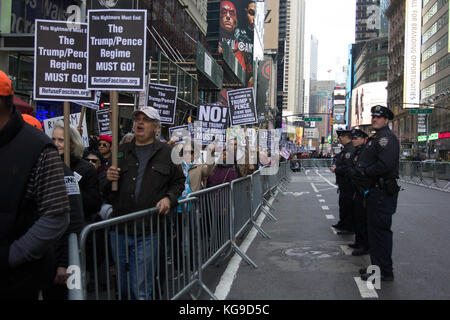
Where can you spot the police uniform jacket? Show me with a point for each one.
(379, 159)
(343, 164)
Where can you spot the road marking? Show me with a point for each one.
(314, 187)
(318, 195)
(334, 230)
(347, 250)
(229, 275)
(321, 200)
(325, 208)
(364, 290)
(329, 216)
(328, 181)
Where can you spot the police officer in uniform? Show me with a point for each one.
(341, 169)
(379, 162)
(360, 185)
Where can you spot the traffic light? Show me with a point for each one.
(331, 121)
(102, 105)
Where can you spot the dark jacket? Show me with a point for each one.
(343, 165)
(76, 218)
(380, 156)
(162, 178)
(89, 186)
(222, 174)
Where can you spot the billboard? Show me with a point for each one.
(237, 24)
(365, 97)
(271, 25)
(413, 32)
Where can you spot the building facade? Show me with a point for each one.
(435, 77)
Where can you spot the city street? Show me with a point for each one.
(305, 259)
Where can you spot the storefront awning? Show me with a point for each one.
(22, 106)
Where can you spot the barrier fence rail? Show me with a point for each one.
(434, 175)
(316, 163)
(145, 255)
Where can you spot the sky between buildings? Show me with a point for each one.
(332, 22)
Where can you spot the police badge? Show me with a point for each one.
(383, 142)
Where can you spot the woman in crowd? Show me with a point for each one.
(84, 172)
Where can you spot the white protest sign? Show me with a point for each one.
(49, 124)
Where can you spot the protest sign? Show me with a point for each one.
(60, 62)
(116, 49)
(242, 106)
(74, 118)
(212, 124)
(164, 99)
(284, 153)
(103, 122)
(183, 132)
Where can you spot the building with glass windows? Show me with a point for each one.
(435, 77)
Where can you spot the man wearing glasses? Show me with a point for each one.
(104, 146)
(147, 178)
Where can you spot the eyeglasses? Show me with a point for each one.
(103, 144)
(91, 160)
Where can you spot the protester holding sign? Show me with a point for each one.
(148, 178)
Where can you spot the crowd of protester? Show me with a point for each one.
(146, 176)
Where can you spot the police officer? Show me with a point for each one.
(341, 169)
(360, 185)
(379, 161)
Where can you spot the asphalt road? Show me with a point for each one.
(306, 260)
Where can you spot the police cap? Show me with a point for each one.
(381, 111)
(358, 133)
(344, 133)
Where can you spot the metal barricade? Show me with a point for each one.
(241, 207)
(143, 255)
(215, 221)
(74, 281)
(316, 163)
(434, 175)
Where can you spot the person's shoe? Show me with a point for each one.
(338, 226)
(366, 276)
(344, 232)
(360, 252)
(362, 270)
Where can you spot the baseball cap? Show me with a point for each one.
(150, 112)
(32, 121)
(5, 85)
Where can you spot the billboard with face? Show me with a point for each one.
(365, 97)
(237, 24)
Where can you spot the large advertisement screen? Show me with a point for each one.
(237, 24)
(413, 43)
(365, 97)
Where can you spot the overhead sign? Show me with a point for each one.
(420, 111)
(313, 119)
(103, 122)
(421, 123)
(212, 124)
(116, 49)
(242, 106)
(413, 32)
(60, 62)
(164, 99)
